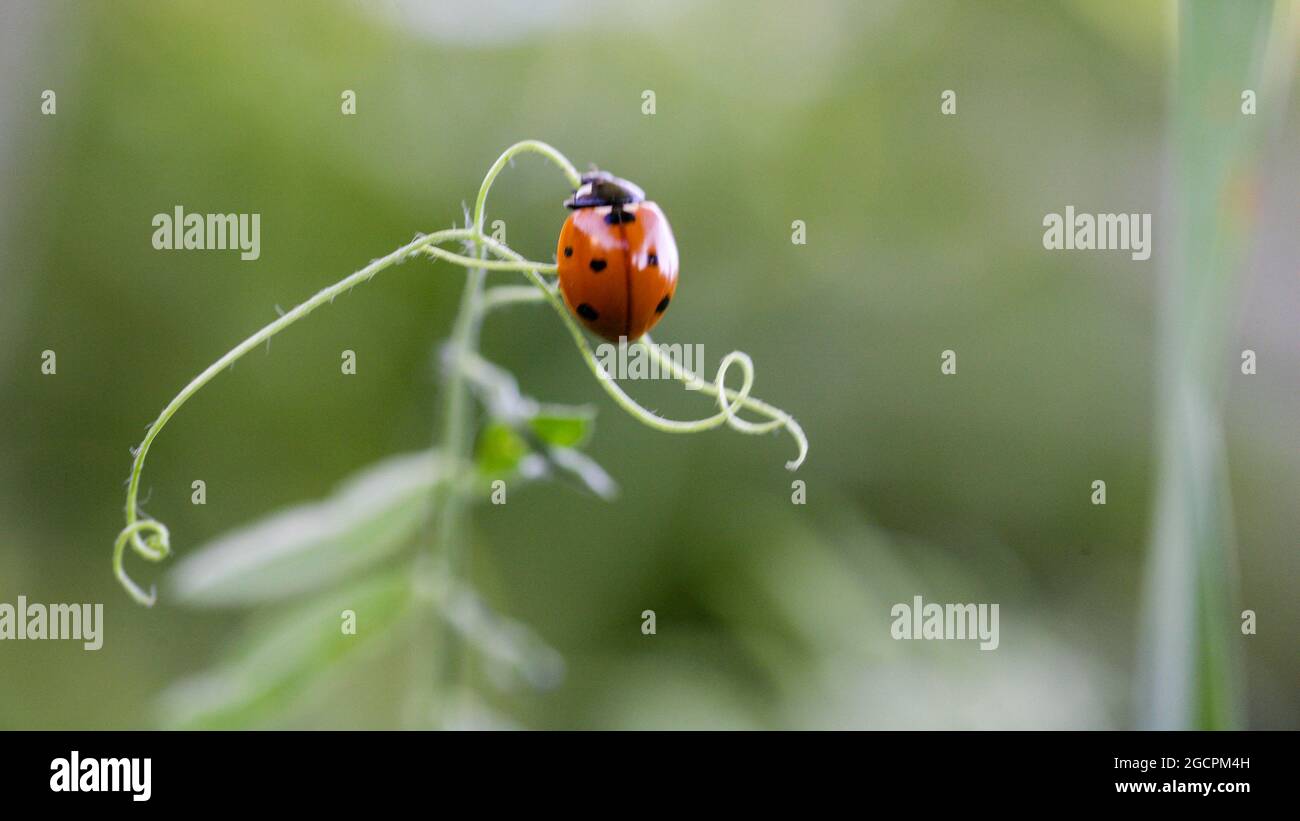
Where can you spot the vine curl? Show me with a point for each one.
(150, 538)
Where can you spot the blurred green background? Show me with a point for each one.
(924, 234)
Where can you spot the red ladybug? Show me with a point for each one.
(617, 258)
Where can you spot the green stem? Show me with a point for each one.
(488, 264)
(503, 295)
(733, 401)
(1190, 673)
(437, 655)
(149, 538)
(456, 444)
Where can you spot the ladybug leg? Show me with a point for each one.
(618, 215)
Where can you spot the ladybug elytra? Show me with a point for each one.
(617, 259)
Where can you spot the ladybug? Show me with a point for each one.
(617, 258)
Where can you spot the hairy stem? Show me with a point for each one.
(456, 443)
(150, 538)
(729, 400)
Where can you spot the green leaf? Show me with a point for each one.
(513, 654)
(582, 470)
(499, 450)
(302, 548)
(287, 656)
(562, 426)
(1190, 660)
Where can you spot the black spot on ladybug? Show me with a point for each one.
(598, 265)
(568, 250)
(653, 259)
(587, 312)
(662, 306)
(617, 216)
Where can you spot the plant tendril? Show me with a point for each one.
(150, 538)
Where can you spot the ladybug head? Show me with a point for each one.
(603, 188)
